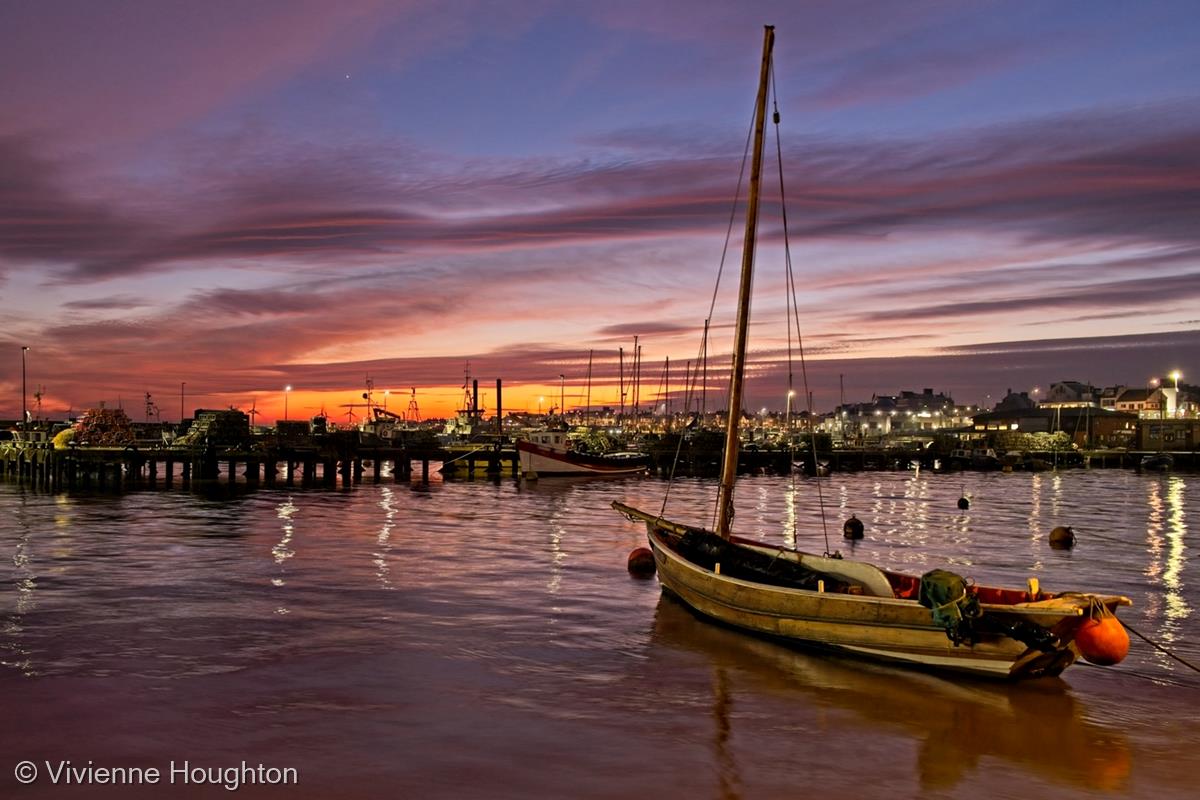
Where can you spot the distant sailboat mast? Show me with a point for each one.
(587, 414)
(729, 466)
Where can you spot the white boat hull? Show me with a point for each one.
(547, 462)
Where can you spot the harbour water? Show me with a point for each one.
(484, 640)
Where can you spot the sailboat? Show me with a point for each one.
(934, 621)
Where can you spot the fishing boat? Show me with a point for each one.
(983, 458)
(551, 454)
(1157, 462)
(938, 620)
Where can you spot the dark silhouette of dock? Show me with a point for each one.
(335, 460)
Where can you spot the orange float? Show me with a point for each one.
(1102, 639)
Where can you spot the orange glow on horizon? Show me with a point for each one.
(347, 406)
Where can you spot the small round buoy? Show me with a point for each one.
(964, 503)
(852, 528)
(1062, 538)
(1102, 640)
(641, 562)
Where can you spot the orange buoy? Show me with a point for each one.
(641, 562)
(852, 528)
(1102, 639)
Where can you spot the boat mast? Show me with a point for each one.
(729, 467)
(587, 414)
(621, 372)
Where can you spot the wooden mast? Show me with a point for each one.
(729, 466)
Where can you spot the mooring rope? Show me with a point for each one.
(464, 455)
(1142, 676)
(1158, 646)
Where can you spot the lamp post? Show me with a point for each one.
(286, 389)
(1175, 376)
(386, 392)
(562, 406)
(787, 417)
(540, 401)
(24, 408)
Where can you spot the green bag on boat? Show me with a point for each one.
(954, 608)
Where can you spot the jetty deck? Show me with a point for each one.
(44, 466)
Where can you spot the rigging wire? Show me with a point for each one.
(793, 309)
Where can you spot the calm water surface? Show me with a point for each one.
(462, 640)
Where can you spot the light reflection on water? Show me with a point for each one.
(478, 626)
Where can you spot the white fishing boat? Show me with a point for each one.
(552, 454)
(938, 620)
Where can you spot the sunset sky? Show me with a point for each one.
(241, 196)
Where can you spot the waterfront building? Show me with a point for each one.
(906, 414)
(1068, 394)
(1015, 401)
(1086, 426)
(1169, 434)
(1145, 402)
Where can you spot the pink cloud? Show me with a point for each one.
(120, 71)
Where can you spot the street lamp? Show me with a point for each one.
(540, 401)
(286, 389)
(24, 408)
(386, 392)
(562, 405)
(1175, 376)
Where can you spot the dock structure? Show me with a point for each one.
(343, 461)
(43, 466)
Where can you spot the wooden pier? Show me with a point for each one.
(43, 466)
(347, 463)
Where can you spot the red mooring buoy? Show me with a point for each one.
(1102, 639)
(641, 562)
